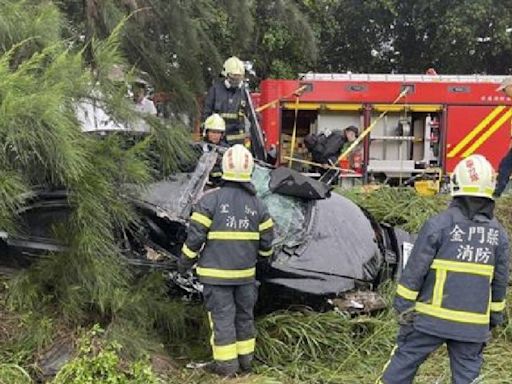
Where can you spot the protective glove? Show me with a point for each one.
(184, 264)
(406, 318)
(402, 305)
(496, 319)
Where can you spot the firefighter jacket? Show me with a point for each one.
(232, 105)
(229, 227)
(455, 280)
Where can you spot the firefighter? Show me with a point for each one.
(453, 287)
(228, 98)
(505, 167)
(213, 133)
(229, 227)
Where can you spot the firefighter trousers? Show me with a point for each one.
(231, 314)
(413, 347)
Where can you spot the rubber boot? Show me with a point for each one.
(223, 369)
(245, 362)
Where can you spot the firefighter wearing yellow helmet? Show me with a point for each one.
(234, 71)
(229, 228)
(228, 98)
(214, 129)
(213, 140)
(453, 288)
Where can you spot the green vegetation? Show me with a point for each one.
(42, 79)
(293, 347)
(398, 206)
(97, 362)
(182, 44)
(117, 324)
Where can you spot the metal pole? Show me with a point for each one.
(294, 132)
(366, 153)
(257, 139)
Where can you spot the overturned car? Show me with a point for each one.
(325, 247)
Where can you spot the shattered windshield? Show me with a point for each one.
(289, 213)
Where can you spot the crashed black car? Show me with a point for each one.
(325, 247)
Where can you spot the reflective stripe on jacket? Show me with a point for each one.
(229, 228)
(456, 277)
(230, 103)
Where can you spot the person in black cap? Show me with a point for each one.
(354, 157)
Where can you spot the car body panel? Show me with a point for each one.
(340, 248)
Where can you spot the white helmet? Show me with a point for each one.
(237, 164)
(473, 176)
(215, 123)
(233, 66)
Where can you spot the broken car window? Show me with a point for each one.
(289, 213)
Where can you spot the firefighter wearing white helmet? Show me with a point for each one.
(473, 176)
(237, 164)
(228, 98)
(452, 290)
(229, 228)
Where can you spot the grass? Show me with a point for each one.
(13, 374)
(398, 206)
(328, 348)
(292, 347)
(308, 347)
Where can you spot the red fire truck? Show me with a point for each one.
(437, 122)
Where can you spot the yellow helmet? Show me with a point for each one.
(473, 176)
(237, 164)
(233, 66)
(215, 123)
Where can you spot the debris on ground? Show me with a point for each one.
(359, 302)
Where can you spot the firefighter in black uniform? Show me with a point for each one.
(214, 129)
(229, 227)
(227, 97)
(454, 284)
